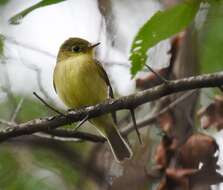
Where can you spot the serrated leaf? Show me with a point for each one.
(18, 17)
(211, 46)
(162, 25)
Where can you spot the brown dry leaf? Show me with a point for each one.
(206, 177)
(212, 115)
(176, 178)
(166, 122)
(198, 148)
(179, 173)
(179, 177)
(164, 151)
(161, 157)
(190, 179)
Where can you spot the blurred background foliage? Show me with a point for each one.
(212, 39)
(3, 2)
(38, 163)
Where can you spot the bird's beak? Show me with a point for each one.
(94, 45)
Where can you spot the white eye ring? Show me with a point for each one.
(75, 48)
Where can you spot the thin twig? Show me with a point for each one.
(70, 135)
(55, 110)
(78, 135)
(161, 78)
(148, 121)
(80, 124)
(46, 104)
(18, 108)
(135, 125)
(58, 138)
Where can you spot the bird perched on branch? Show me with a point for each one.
(79, 81)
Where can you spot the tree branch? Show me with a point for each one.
(126, 102)
(73, 135)
(76, 134)
(152, 119)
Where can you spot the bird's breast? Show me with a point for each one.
(79, 83)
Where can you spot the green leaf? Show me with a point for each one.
(3, 2)
(162, 25)
(18, 17)
(211, 46)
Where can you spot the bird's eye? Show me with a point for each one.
(76, 49)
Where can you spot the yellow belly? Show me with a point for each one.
(79, 83)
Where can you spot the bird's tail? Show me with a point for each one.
(119, 146)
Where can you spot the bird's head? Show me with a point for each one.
(74, 47)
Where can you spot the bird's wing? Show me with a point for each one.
(54, 86)
(106, 79)
(104, 75)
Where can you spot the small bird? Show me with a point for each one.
(80, 80)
